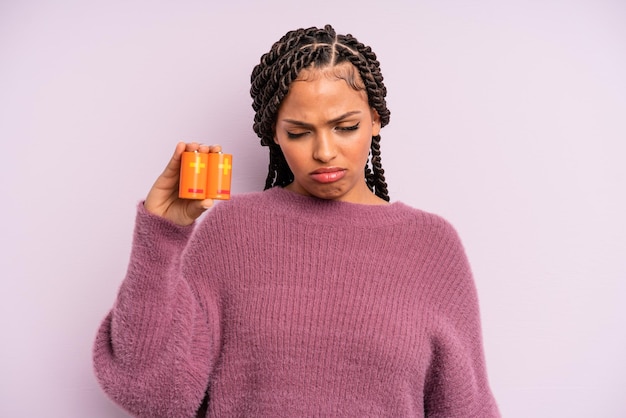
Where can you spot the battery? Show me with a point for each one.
(205, 176)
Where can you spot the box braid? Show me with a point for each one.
(278, 68)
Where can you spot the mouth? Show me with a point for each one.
(328, 174)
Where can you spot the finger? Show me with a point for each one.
(203, 148)
(206, 203)
(197, 207)
(172, 169)
(192, 147)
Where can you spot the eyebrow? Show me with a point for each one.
(330, 122)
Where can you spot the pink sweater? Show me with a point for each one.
(281, 305)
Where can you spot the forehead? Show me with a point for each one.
(321, 99)
(339, 84)
(344, 71)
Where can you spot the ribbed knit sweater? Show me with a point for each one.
(283, 305)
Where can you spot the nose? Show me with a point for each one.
(325, 149)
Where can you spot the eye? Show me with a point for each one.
(295, 135)
(348, 128)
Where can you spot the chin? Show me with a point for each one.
(327, 193)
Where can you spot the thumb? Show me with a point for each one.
(195, 208)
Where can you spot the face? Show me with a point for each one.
(324, 128)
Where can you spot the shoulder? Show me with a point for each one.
(432, 244)
(242, 204)
(428, 222)
(238, 213)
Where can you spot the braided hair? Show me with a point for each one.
(314, 47)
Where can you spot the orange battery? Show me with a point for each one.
(193, 175)
(220, 170)
(205, 176)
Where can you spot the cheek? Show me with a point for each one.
(366, 145)
(359, 152)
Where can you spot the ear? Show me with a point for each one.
(375, 122)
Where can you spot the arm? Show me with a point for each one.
(154, 351)
(457, 383)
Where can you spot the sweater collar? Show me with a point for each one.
(315, 210)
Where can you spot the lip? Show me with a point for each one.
(328, 174)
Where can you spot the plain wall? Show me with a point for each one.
(508, 118)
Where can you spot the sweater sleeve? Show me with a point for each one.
(456, 382)
(154, 351)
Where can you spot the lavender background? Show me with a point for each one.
(508, 118)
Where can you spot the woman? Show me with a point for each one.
(316, 297)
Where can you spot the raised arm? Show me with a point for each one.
(154, 351)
